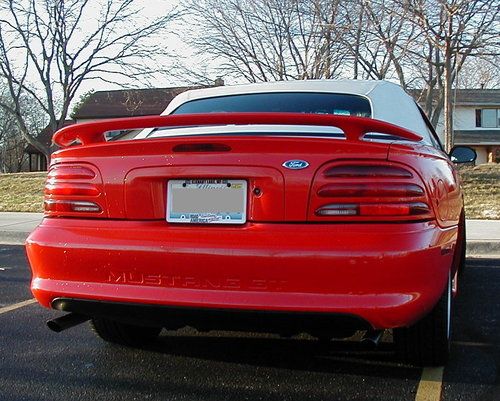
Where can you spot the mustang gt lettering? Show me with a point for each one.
(194, 282)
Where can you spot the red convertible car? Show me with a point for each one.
(325, 207)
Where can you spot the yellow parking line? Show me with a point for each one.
(9, 308)
(431, 381)
(471, 344)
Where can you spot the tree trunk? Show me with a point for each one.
(448, 106)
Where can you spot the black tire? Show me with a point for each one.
(427, 342)
(462, 236)
(124, 334)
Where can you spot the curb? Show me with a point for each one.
(475, 248)
(483, 248)
(13, 237)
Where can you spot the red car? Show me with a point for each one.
(326, 207)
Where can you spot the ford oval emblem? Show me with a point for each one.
(295, 164)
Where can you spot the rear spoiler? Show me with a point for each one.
(354, 128)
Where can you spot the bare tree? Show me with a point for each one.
(480, 72)
(12, 149)
(12, 143)
(377, 38)
(48, 48)
(454, 31)
(390, 25)
(8, 131)
(267, 40)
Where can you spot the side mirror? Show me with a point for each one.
(463, 154)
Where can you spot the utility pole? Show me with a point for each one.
(448, 106)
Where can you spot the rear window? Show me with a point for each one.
(286, 102)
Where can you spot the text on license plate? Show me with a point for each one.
(207, 201)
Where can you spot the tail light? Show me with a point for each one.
(73, 190)
(382, 189)
(201, 147)
(367, 191)
(359, 171)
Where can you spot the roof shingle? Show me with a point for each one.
(126, 103)
(468, 97)
(476, 137)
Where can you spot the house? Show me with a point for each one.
(476, 122)
(125, 103)
(36, 159)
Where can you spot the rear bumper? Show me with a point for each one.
(389, 275)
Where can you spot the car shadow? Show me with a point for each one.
(475, 358)
(305, 354)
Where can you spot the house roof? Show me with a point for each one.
(478, 97)
(477, 137)
(45, 136)
(126, 103)
(469, 97)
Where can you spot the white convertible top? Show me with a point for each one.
(389, 102)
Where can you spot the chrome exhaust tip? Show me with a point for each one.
(372, 337)
(67, 321)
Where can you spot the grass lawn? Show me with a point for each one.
(482, 191)
(23, 192)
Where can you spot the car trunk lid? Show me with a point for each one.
(135, 174)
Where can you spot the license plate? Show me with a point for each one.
(207, 201)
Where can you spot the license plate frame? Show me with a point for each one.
(197, 201)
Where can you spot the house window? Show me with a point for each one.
(488, 118)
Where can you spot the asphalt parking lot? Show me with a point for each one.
(37, 364)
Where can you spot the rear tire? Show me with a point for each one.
(459, 258)
(463, 246)
(427, 342)
(124, 334)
